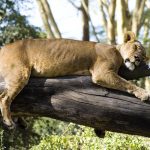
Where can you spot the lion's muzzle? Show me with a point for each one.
(132, 64)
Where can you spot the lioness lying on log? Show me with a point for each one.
(61, 57)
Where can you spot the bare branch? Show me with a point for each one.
(137, 15)
(105, 4)
(85, 20)
(103, 15)
(74, 5)
(45, 20)
(123, 19)
(111, 22)
(111, 9)
(86, 10)
(51, 18)
(140, 14)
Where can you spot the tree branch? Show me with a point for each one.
(86, 10)
(137, 15)
(111, 22)
(45, 20)
(124, 22)
(51, 18)
(85, 20)
(74, 5)
(140, 15)
(103, 15)
(76, 99)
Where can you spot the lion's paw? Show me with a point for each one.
(11, 126)
(142, 94)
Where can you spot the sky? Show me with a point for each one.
(66, 16)
(68, 19)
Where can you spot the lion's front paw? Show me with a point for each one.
(142, 94)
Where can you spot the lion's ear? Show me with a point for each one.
(129, 37)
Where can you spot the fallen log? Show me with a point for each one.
(76, 99)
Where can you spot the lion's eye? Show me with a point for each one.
(138, 46)
(134, 47)
(137, 58)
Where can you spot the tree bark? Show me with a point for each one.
(137, 15)
(122, 20)
(51, 18)
(85, 7)
(87, 13)
(103, 15)
(76, 99)
(125, 20)
(85, 20)
(44, 17)
(109, 21)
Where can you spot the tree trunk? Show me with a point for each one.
(87, 12)
(109, 21)
(124, 19)
(44, 17)
(85, 20)
(137, 15)
(78, 100)
(121, 20)
(51, 18)
(103, 20)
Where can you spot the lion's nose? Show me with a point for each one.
(127, 60)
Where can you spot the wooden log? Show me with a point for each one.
(76, 99)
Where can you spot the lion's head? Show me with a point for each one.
(132, 51)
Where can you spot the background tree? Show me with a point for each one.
(85, 19)
(14, 26)
(46, 23)
(107, 9)
(48, 19)
(116, 13)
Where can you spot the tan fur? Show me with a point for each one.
(60, 57)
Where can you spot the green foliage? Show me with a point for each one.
(75, 137)
(17, 30)
(14, 26)
(19, 138)
(50, 134)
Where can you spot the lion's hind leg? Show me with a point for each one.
(15, 82)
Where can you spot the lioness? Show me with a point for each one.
(60, 57)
